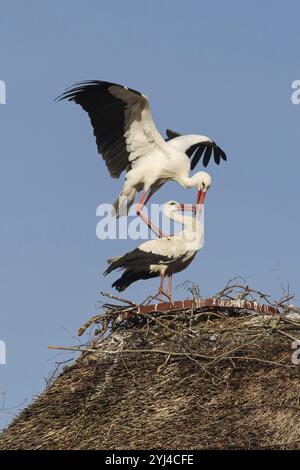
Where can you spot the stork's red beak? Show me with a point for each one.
(186, 207)
(200, 200)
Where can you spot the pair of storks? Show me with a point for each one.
(129, 142)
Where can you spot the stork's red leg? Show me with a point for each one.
(161, 286)
(143, 199)
(140, 204)
(152, 226)
(169, 288)
(150, 194)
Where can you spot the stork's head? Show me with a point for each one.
(173, 206)
(203, 183)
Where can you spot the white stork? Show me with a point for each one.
(129, 141)
(162, 256)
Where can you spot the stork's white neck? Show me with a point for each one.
(187, 181)
(193, 231)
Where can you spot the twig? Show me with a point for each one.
(285, 334)
(120, 299)
(287, 320)
(68, 348)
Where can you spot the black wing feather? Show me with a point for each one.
(198, 155)
(217, 155)
(190, 151)
(171, 134)
(107, 116)
(222, 154)
(207, 155)
(136, 265)
(205, 150)
(137, 260)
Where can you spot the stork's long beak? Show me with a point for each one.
(200, 200)
(186, 207)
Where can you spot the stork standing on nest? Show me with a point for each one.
(163, 256)
(129, 142)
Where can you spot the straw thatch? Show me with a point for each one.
(177, 380)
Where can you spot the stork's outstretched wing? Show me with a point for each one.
(121, 119)
(197, 151)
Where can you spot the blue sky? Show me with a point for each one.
(218, 68)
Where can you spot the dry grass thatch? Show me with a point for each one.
(196, 379)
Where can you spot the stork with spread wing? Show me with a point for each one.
(129, 142)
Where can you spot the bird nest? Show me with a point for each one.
(204, 377)
(234, 300)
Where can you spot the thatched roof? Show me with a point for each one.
(179, 380)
